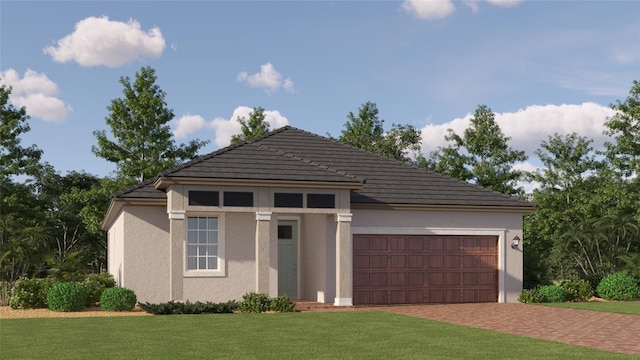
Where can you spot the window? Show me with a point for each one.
(204, 198)
(203, 244)
(238, 198)
(321, 201)
(287, 200)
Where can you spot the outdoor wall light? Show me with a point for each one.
(515, 242)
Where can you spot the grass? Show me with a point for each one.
(620, 307)
(331, 335)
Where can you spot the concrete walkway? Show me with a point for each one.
(600, 330)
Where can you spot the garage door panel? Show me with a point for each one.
(398, 261)
(409, 269)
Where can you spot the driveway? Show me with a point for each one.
(600, 330)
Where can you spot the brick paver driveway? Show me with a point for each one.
(600, 330)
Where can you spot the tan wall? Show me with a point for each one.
(115, 249)
(146, 252)
(313, 257)
(503, 225)
(240, 264)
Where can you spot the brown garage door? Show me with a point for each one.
(400, 269)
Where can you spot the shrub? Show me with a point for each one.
(618, 286)
(580, 290)
(30, 294)
(531, 296)
(254, 303)
(281, 304)
(118, 299)
(66, 296)
(552, 293)
(95, 284)
(197, 307)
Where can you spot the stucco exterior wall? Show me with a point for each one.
(240, 264)
(115, 249)
(503, 225)
(146, 252)
(313, 257)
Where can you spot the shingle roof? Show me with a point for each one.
(293, 154)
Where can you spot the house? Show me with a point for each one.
(298, 214)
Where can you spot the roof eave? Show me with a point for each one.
(436, 207)
(163, 183)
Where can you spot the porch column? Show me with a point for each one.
(263, 231)
(176, 236)
(344, 260)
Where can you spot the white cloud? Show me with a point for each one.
(98, 41)
(440, 9)
(428, 9)
(528, 127)
(37, 93)
(504, 3)
(188, 124)
(268, 78)
(224, 128)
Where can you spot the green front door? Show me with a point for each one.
(288, 258)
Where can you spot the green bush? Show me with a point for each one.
(95, 284)
(580, 290)
(30, 294)
(171, 308)
(531, 296)
(618, 286)
(552, 293)
(118, 299)
(281, 304)
(66, 296)
(254, 303)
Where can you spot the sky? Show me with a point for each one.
(543, 67)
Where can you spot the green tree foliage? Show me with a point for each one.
(252, 128)
(481, 155)
(366, 131)
(143, 145)
(624, 127)
(22, 236)
(583, 226)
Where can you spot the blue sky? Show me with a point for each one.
(541, 66)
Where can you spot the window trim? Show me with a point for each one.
(222, 260)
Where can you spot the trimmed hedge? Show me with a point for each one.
(254, 303)
(552, 293)
(531, 296)
(176, 308)
(66, 296)
(618, 286)
(118, 299)
(95, 284)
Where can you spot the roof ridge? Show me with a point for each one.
(221, 151)
(310, 162)
(133, 187)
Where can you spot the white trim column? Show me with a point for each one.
(263, 234)
(176, 254)
(344, 260)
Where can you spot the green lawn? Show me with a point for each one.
(620, 307)
(330, 335)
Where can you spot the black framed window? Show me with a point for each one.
(238, 198)
(321, 201)
(204, 198)
(290, 200)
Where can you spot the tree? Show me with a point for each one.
(624, 127)
(22, 241)
(481, 155)
(143, 145)
(252, 128)
(366, 131)
(15, 159)
(582, 226)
